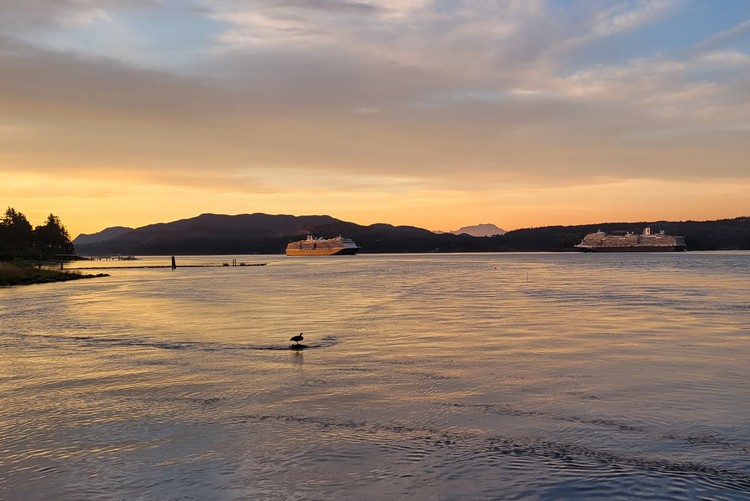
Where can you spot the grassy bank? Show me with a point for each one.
(27, 274)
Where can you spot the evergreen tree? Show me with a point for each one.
(16, 235)
(52, 237)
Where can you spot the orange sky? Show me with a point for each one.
(411, 112)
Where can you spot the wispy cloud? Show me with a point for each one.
(631, 15)
(45, 14)
(717, 40)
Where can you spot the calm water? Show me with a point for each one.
(482, 376)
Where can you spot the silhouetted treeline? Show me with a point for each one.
(19, 240)
(725, 234)
(269, 234)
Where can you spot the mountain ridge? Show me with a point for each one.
(100, 236)
(480, 230)
(260, 233)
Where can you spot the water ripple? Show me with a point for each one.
(136, 342)
(460, 453)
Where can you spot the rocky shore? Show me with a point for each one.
(26, 274)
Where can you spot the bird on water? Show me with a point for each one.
(297, 339)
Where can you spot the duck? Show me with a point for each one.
(297, 338)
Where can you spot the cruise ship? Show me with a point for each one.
(630, 242)
(312, 246)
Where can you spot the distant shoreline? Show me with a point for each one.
(245, 234)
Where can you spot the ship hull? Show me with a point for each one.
(338, 246)
(321, 252)
(629, 242)
(644, 248)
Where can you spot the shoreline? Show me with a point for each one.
(13, 274)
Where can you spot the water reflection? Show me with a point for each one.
(441, 376)
(297, 357)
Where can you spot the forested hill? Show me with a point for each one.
(269, 234)
(724, 234)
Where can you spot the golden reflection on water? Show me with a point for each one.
(466, 374)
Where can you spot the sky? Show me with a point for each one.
(431, 113)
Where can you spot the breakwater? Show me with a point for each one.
(154, 266)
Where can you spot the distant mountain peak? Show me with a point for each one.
(102, 236)
(480, 230)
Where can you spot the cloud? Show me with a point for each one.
(631, 15)
(290, 22)
(38, 15)
(330, 6)
(421, 34)
(435, 94)
(724, 37)
(727, 58)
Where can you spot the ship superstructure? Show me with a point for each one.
(630, 242)
(312, 246)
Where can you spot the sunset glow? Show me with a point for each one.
(419, 112)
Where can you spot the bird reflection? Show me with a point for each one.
(298, 358)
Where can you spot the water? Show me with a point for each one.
(479, 376)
